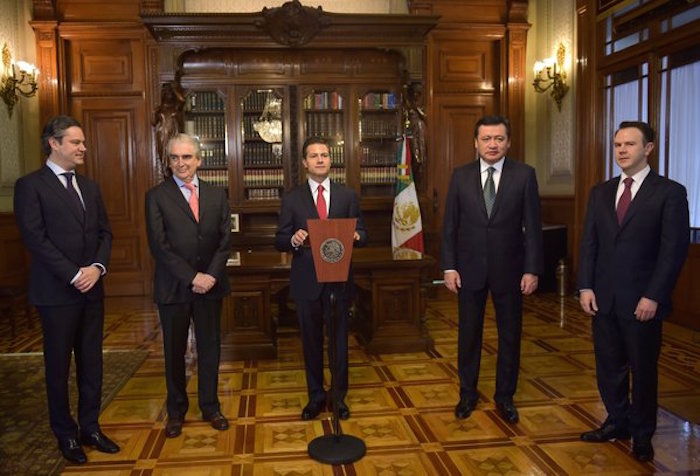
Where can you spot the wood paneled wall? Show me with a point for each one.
(14, 264)
(475, 65)
(93, 62)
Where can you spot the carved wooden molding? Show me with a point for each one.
(281, 27)
(292, 24)
(44, 9)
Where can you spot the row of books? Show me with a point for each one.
(377, 127)
(255, 101)
(263, 177)
(206, 127)
(325, 125)
(262, 153)
(372, 156)
(262, 193)
(214, 155)
(324, 100)
(204, 101)
(216, 177)
(377, 175)
(379, 101)
(337, 175)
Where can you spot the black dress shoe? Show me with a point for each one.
(607, 432)
(311, 410)
(464, 408)
(508, 412)
(218, 421)
(343, 411)
(643, 450)
(100, 442)
(72, 451)
(173, 427)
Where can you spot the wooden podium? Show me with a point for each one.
(331, 247)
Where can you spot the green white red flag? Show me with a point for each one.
(406, 223)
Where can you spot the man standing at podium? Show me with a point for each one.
(318, 198)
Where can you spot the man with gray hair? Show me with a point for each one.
(189, 232)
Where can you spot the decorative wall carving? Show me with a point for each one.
(292, 24)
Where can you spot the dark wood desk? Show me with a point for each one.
(387, 313)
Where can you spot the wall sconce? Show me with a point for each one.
(16, 79)
(556, 76)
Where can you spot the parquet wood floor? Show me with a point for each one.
(402, 405)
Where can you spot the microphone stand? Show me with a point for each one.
(335, 448)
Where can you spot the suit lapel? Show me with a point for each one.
(178, 198)
(335, 196)
(55, 184)
(503, 186)
(309, 203)
(644, 193)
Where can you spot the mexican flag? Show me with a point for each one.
(406, 224)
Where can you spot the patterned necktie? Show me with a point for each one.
(625, 199)
(489, 191)
(74, 196)
(194, 200)
(321, 204)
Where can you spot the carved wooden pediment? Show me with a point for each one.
(292, 24)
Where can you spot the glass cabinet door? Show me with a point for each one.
(324, 116)
(262, 139)
(205, 118)
(380, 130)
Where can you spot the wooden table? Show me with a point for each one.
(387, 314)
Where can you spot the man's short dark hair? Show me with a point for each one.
(492, 121)
(646, 130)
(56, 128)
(311, 141)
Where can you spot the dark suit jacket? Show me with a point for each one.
(181, 246)
(499, 249)
(297, 207)
(643, 256)
(59, 242)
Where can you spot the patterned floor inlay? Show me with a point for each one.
(402, 405)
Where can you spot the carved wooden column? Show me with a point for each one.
(516, 43)
(46, 33)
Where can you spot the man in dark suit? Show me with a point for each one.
(318, 198)
(64, 225)
(634, 244)
(492, 241)
(189, 232)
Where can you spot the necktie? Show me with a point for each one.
(194, 200)
(489, 191)
(73, 193)
(321, 204)
(625, 199)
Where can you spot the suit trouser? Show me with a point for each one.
(313, 314)
(73, 329)
(175, 321)
(623, 345)
(509, 318)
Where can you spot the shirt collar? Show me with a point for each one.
(55, 168)
(313, 185)
(485, 165)
(638, 177)
(180, 183)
